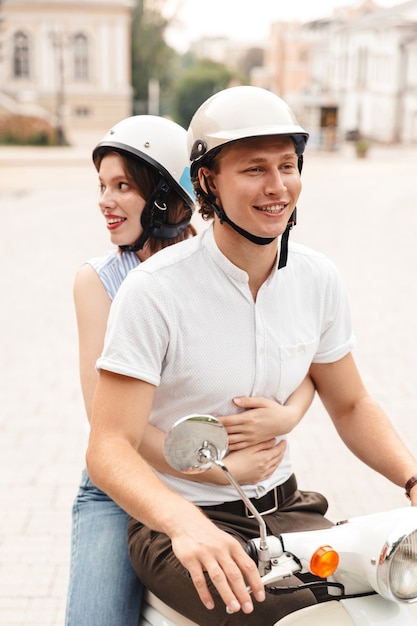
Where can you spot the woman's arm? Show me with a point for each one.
(248, 466)
(263, 419)
(248, 463)
(92, 306)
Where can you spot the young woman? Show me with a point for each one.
(146, 199)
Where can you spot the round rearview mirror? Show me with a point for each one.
(195, 442)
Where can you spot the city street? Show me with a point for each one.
(362, 213)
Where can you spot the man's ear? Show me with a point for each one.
(206, 181)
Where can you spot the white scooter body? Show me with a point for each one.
(355, 541)
(377, 553)
(368, 611)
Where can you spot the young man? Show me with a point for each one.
(233, 312)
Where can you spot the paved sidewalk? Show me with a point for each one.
(362, 213)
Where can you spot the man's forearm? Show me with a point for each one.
(132, 484)
(370, 435)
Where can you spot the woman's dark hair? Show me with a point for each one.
(144, 179)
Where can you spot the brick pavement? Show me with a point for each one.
(361, 213)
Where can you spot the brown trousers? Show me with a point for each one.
(161, 572)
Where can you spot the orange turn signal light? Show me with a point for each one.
(324, 561)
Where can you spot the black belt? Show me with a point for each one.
(269, 503)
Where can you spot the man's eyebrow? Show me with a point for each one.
(260, 159)
(289, 155)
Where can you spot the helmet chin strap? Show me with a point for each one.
(260, 241)
(153, 219)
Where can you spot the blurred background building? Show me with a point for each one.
(351, 76)
(67, 61)
(348, 77)
(86, 63)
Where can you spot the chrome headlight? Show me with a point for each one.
(397, 567)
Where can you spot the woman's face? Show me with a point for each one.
(120, 202)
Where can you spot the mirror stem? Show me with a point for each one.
(262, 526)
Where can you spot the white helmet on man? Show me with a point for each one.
(239, 113)
(230, 116)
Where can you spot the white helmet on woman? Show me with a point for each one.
(240, 113)
(162, 145)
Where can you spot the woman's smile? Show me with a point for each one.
(114, 221)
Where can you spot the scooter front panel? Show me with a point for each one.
(324, 614)
(378, 610)
(157, 613)
(371, 610)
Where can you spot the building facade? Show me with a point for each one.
(374, 74)
(67, 61)
(354, 74)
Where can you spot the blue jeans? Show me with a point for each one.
(103, 588)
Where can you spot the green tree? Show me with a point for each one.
(203, 79)
(152, 58)
(185, 81)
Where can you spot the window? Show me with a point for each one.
(362, 67)
(21, 55)
(82, 112)
(80, 57)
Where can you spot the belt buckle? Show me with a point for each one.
(274, 508)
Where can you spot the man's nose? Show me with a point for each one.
(275, 183)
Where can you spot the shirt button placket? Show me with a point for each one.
(260, 373)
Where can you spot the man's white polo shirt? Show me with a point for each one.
(186, 322)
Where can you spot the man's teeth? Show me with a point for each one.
(272, 209)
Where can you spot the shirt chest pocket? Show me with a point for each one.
(295, 361)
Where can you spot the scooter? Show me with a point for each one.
(369, 563)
